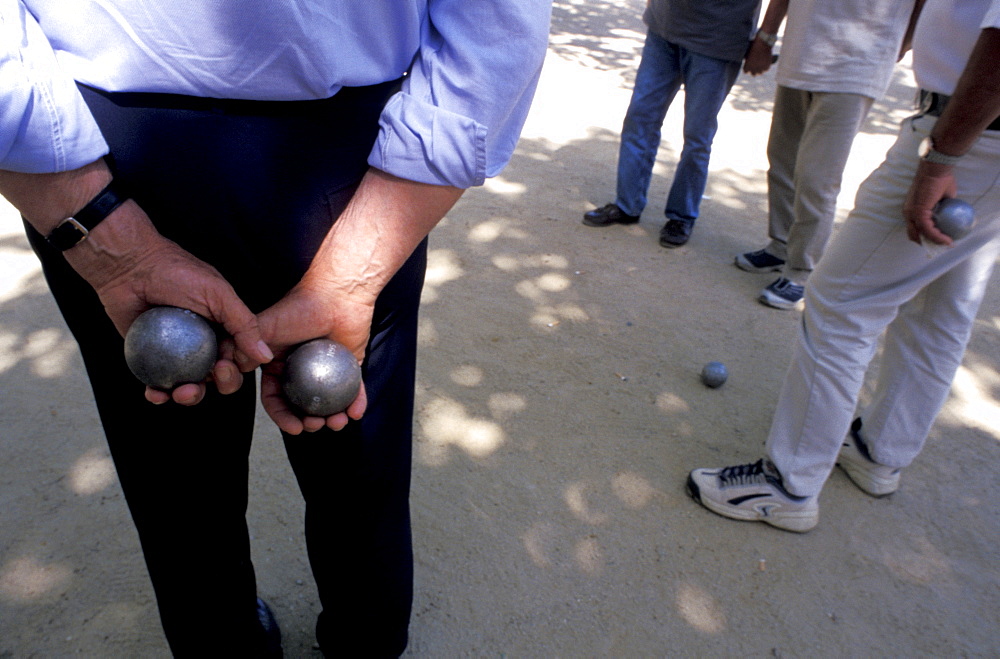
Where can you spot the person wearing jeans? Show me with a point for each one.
(700, 50)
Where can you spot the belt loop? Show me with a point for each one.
(921, 101)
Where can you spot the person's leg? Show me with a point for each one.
(356, 487)
(923, 349)
(831, 123)
(656, 83)
(183, 471)
(925, 344)
(870, 270)
(788, 120)
(707, 82)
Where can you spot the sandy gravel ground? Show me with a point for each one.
(559, 410)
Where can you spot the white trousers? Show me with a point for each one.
(871, 280)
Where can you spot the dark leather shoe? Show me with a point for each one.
(607, 215)
(272, 633)
(675, 233)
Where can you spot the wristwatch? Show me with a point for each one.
(928, 153)
(768, 38)
(74, 230)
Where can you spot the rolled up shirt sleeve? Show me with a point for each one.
(460, 112)
(44, 124)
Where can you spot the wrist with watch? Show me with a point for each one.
(768, 38)
(74, 230)
(928, 153)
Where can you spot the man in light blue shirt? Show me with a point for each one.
(275, 168)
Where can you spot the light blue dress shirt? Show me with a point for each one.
(473, 66)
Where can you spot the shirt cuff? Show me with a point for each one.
(421, 142)
(55, 131)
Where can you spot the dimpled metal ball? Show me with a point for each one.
(954, 217)
(322, 377)
(714, 374)
(167, 346)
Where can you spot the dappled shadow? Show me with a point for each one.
(608, 36)
(558, 412)
(59, 496)
(604, 35)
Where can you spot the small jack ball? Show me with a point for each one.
(168, 346)
(714, 374)
(954, 218)
(322, 377)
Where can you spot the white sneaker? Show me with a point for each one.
(871, 477)
(753, 492)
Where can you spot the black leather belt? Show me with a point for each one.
(933, 104)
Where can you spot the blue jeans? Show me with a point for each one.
(662, 70)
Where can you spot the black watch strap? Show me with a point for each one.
(74, 230)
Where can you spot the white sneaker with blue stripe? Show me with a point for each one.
(753, 492)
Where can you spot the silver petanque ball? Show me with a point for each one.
(322, 377)
(954, 217)
(168, 346)
(714, 374)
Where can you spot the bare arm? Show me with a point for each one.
(910, 28)
(974, 105)
(371, 240)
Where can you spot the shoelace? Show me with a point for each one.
(783, 285)
(744, 474)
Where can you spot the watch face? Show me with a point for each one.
(925, 147)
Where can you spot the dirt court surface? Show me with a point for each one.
(559, 410)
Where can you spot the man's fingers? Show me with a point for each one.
(289, 419)
(357, 408)
(157, 397)
(189, 394)
(228, 378)
(241, 324)
(276, 406)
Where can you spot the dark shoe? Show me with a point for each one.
(759, 261)
(782, 294)
(607, 215)
(272, 633)
(675, 233)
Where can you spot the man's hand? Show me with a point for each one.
(384, 222)
(932, 183)
(131, 279)
(759, 58)
(312, 310)
(973, 106)
(132, 268)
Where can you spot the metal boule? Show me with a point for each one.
(954, 217)
(322, 377)
(714, 374)
(169, 346)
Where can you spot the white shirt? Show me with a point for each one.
(944, 38)
(473, 66)
(842, 46)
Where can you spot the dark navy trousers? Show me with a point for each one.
(252, 188)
